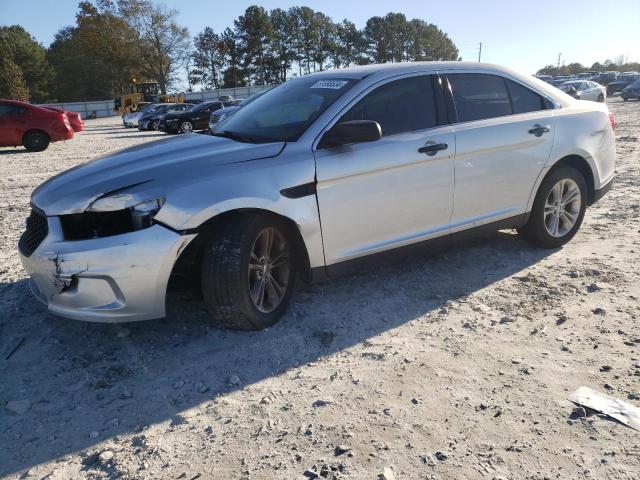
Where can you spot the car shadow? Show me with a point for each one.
(14, 151)
(80, 376)
(137, 135)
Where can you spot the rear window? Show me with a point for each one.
(524, 99)
(478, 96)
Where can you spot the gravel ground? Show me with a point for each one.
(452, 365)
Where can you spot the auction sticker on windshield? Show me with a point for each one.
(333, 84)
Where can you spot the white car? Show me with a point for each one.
(318, 172)
(584, 90)
(130, 119)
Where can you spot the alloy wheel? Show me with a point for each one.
(186, 127)
(269, 267)
(562, 208)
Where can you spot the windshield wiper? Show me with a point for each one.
(234, 136)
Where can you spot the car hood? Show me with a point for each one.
(156, 164)
(132, 116)
(232, 108)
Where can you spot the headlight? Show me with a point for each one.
(112, 215)
(142, 212)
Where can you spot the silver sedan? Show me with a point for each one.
(317, 173)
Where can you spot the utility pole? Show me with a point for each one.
(559, 54)
(480, 52)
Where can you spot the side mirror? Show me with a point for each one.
(353, 131)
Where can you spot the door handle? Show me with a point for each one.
(433, 148)
(538, 130)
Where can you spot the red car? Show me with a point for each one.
(34, 127)
(74, 118)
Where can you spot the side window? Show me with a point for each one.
(10, 110)
(523, 99)
(478, 96)
(399, 106)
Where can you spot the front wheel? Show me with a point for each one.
(155, 124)
(186, 127)
(601, 98)
(248, 272)
(558, 209)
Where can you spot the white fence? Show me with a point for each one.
(104, 108)
(97, 109)
(236, 92)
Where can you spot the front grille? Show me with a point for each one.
(37, 230)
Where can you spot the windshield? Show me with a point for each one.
(285, 112)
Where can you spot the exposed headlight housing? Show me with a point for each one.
(111, 215)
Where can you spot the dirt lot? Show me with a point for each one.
(453, 365)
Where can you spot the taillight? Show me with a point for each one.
(612, 121)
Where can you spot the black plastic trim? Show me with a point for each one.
(601, 192)
(299, 191)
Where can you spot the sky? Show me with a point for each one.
(524, 35)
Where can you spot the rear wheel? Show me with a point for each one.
(35, 141)
(155, 124)
(248, 272)
(558, 209)
(186, 127)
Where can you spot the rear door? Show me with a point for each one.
(504, 134)
(379, 195)
(13, 123)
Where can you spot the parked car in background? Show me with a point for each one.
(75, 120)
(196, 118)
(584, 90)
(151, 119)
(623, 80)
(130, 119)
(322, 170)
(218, 115)
(631, 91)
(586, 75)
(31, 126)
(605, 78)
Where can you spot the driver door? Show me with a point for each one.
(379, 195)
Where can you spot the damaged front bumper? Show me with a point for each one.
(120, 278)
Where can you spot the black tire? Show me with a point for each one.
(625, 99)
(601, 98)
(535, 231)
(226, 278)
(35, 141)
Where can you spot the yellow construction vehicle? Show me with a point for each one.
(143, 92)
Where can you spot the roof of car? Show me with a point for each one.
(363, 71)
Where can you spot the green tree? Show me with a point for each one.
(255, 35)
(326, 40)
(208, 59)
(234, 75)
(12, 84)
(350, 45)
(19, 48)
(375, 33)
(429, 43)
(283, 43)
